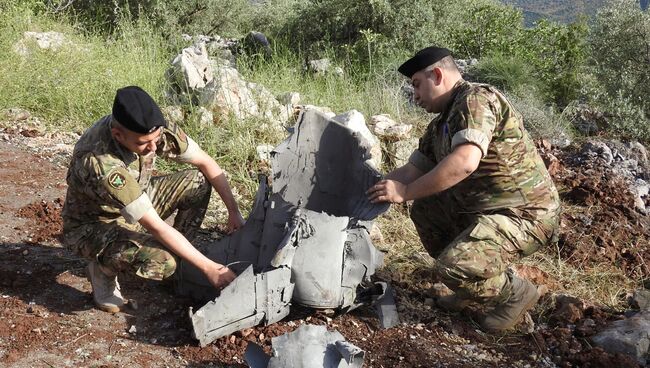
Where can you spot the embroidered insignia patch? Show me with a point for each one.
(116, 180)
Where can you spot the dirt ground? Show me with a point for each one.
(47, 317)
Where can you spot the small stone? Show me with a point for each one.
(36, 330)
(261, 337)
(133, 330)
(232, 339)
(25, 252)
(247, 331)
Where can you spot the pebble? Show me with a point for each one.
(133, 330)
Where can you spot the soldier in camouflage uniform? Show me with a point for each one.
(114, 209)
(482, 195)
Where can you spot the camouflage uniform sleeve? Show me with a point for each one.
(420, 158)
(176, 145)
(114, 186)
(477, 119)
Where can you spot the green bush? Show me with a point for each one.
(620, 40)
(507, 72)
(171, 17)
(484, 27)
(541, 120)
(558, 53)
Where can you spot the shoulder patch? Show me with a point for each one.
(121, 186)
(116, 180)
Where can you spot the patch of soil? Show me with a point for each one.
(45, 223)
(604, 226)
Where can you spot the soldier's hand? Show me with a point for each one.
(235, 222)
(387, 191)
(220, 276)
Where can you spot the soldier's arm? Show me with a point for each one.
(405, 174)
(217, 179)
(218, 275)
(458, 165)
(453, 169)
(176, 145)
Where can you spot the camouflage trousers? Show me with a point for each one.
(122, 247)
(473, 251)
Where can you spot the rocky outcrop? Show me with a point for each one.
(52, 41)
(630, 336)
(215, 84)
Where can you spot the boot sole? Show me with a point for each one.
(103, 307)
(108, 308)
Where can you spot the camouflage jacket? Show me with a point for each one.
(511, 174)
(107, 182)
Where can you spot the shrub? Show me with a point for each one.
(620, 40)
(558, 53)
(171, 17)
(507, 72)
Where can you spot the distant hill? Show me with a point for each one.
(564, 11)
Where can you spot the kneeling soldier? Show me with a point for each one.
(114, 209)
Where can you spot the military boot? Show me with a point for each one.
(106, 290)
(523, 296)
(452, 303)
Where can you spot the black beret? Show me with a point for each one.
(134, 109)
(423, 59)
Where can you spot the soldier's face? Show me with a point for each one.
(142, 144)
(429, 90)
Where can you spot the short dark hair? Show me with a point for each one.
(446, 63)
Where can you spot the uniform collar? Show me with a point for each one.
(456, 89)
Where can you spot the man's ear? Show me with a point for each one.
(437, 75)
(117, 134)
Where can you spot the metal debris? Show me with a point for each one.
(308, 346)
(306, 240)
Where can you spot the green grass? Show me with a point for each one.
(74, 86)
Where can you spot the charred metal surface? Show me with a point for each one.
(306, 238)
(307, 347)
(323, 167)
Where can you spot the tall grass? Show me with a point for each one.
(370, 92)
(75, 85)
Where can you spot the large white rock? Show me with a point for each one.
(191, 69)
(354, 120)
(53, 41)
(386, 128)
(228, 94)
